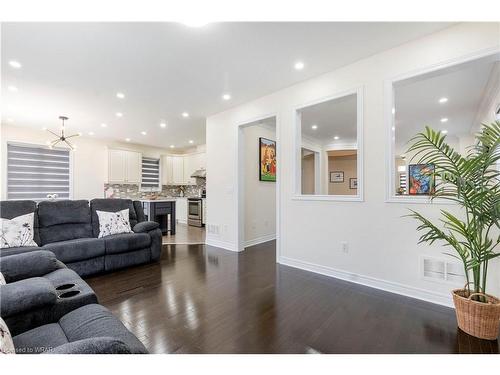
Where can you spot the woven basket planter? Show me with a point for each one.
(478, 319)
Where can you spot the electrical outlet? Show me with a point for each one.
(344, 246)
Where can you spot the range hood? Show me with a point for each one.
(200, 173)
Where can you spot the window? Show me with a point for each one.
(328, 148)
(454, 100)
(150, 174)
(37, 172)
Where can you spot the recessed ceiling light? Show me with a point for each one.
(191, 141)
(143, 133)
(44, 128)
(13, 88)
(15, 64)
(119, 114)
(299, 65)
(91, 133)
(104, 125)
(314, 127)
(185, 114)
(172, 146)
(444, 119)
(393, 110)
(443, 100)
(393, 128)
(195, 23)
(127, 139)
(163, 125)
(444, 131)
(226, 96)
(336, 137)
(120, 95)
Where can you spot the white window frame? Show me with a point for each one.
(390, 194)
(28, 144)
(297, 142)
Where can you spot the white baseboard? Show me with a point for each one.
(258, 240)
(182, 221)
(388, 286)
(222, 244)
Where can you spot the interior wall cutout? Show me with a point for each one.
(328, 145)
(454, 100)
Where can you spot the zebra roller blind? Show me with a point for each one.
(150, 173)
(33, 172)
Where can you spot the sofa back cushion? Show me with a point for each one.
(12, 209)
(111, 205)
(64, 220)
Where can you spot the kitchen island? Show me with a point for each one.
(162, 211)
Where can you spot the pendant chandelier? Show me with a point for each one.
(62, 137)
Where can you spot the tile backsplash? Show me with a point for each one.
(168, 191)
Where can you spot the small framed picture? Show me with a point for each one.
(337, 176)
(353, 183)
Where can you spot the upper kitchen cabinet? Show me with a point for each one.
(177, 169)
(124, 166)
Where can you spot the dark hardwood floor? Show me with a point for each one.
(200, 299)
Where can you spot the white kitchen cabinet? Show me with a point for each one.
(167, 170)
(124, 167)
(190, 165)
(178, 170)
(181, 210)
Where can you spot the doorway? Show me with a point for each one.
(258, 192)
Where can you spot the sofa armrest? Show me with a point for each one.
(145, 226)
(32, 264)
(97, 345)
(26, 295)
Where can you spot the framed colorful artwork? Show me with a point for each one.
(267, 160)
(337, 176)
(353, 183)
(421, 179)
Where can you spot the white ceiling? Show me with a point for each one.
(417, 100)
(334, 118)
(164, 69)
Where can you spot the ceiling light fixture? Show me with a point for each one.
(13, 88)
(185, 114)
(191, 141)
(444, 119)
(15, 64)
(443, 100)
(127, 139)
(163, 125)
(444, 131)
(172, 146)
(91, 133)
(104, 125)
(119, 114)
(299, 65)
(336, 137)
(226, 96)
(314, 127)
(120, 95)
(62, 137)
(195, 23)
(143, 133)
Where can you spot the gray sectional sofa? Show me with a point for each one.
(50, 309)
(70, 229)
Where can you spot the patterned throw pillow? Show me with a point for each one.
(6, 343)
(17, 232)
(2, 279)
(113, 223)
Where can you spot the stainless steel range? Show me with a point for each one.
(195, 212)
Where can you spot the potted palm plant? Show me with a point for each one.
(472, 181)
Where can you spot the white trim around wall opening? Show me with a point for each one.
(297, 142)
(389, 111)
(239, 185)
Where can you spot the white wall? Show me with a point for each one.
(383, 250)
(260, 196)
(90, 160)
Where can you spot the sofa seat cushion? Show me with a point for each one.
(17, 250)
(40, 339)
(124, 242)
(97, 321)
(77, 249)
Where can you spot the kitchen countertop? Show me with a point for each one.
(158, 200)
